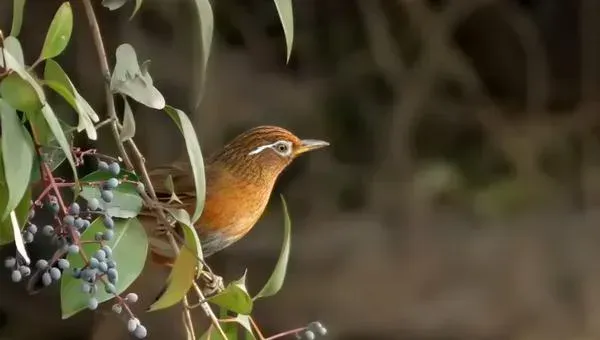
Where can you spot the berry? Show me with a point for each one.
(85, 287)
(48, 230)
(53, 206)
(94, 263)
(55, 273)
(132, 324)
(25, 271)
(98, 236)
(27, 237)
(100, 255)
(110, 288)
(309, 335)
(112, 274)
(93, 303)
(32, 228)
(117, 308)
(31, 214)
(74, 209)
(10, 262)
(111, 264)
(63, 264)
(140, 187)
(140, 332)
(114, 168)
(107, 250)
(79, 223)
(76, 272)
(108, 222)
(108, 235)
(73, 249)
(41, 264)
(317, 327)
(111, 183)
(103, 267)
(93, 204)
(88, 275)
(46, 279)
(86, 224)
(69, 220)
(107, 196)
(102, 166)
(16, 276)
(132, 297)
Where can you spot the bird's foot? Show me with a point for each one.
(214, 283)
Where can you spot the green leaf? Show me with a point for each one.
(206, 20)
(22, 212)
(244, 321)
(129, 246)
(113, 4)
(13, 46)
(56, 78)
(138, 5)
(98, 175)
(131, 79)
(286, 16)
(13, 63)
(59, 134)
(19, 94)
(229, 328)
(182, 275)
(126, 202)
(17, 157)
(235, 297)
(52, 153)
(17, 22)
(195, 156)
(275, 282)
(59, 33)
(128, 130)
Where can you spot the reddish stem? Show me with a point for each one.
(290, 332)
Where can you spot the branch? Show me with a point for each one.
(150, 201)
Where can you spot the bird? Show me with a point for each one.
(239, 181)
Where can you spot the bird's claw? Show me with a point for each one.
(214, 283)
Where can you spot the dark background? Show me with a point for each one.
(458, 200)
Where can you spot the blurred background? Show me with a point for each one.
(458, 199)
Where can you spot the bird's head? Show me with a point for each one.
(265, 150)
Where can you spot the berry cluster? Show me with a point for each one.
(311, 331)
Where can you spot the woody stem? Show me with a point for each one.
(114, 124)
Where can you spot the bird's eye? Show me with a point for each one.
(282, 148)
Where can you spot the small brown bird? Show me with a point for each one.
(239, 182)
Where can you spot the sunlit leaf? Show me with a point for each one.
(133, 80)
(275, 282)
(186, 265)
(17, 157)
(56, 78)
(21, 211)
(113, 4)
(126, 200)
(17, 22)
(195, 156)
(13, 46)
(59, 33)
(129, 246)
(206, 20)
(235, 297)
(128, 130)
(286, 16)
(138, 5)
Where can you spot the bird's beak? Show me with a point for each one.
(310, 144)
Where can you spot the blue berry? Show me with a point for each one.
(74, 209)
(16, 276)
(132, 297)
(88, 274)
(85, 287)
(63, 264)
(111, 264)
(102, 166)
(112, 275)
(48, 230)
(32, 228)
(93, 204)
(10, 262)
(140, 332)
(41, 264)
(132, 324)
(107, 250)
(55, 273)
(53, 206)
(111, 183)
(108, 235)
(73, 249)
(25, 271)
(114, 168)
(27, 237)
(117, 308)
(309, 335)
(79, 223)
(100, 255)
(31, 214)
(108, 222)
(94, 263)
(103, 267)
(107, 196)
(110, 288)
(46, 279)
(69, 220)
(98, 236)
(93, 303)
(76, 272)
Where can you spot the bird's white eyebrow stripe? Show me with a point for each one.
(261, 148)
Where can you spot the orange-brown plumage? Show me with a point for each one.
(239, 181)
